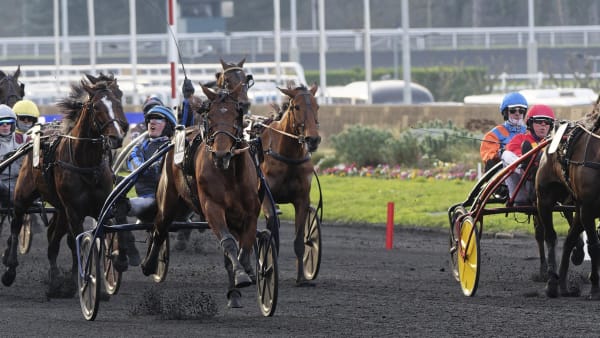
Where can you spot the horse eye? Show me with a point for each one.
(297, 107)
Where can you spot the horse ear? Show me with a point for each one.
(92, 78)
(288, 92)
(223, 64)
(2, 74)
(314, 88)
(18, 72)
(241, 63)
(209, 93)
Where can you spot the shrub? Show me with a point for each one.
(361, 145)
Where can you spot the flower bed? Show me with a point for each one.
(440, 171)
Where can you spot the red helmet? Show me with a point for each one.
(539, 112)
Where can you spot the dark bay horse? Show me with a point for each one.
(287, 145)
(572, 172)
(11, 90)
(73, 174)
(222, 186)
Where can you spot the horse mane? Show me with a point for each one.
(72, 105)
(591, 120)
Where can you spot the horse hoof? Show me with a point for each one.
(134, 257)
(121, 264)
(577, 256)
(9, 276)
(304, 283)
(242, 280)
(552, 286)
(149, 266)
(234, 299)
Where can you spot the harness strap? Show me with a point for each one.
(287, 160)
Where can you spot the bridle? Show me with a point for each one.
(98, 127)
(237, 128)
(298, 127)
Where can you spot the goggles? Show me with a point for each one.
(517, 110)
(547, 122)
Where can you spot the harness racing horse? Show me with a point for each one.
(287, 145)
(222, 186)
(573, 171)
(73, 174)
(11, 90)
(229, 78)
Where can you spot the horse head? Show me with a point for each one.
(11, 90)
(233, 75)
(108, 118)
(302, 115)
(223, 125)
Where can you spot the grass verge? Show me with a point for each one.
(420, 202)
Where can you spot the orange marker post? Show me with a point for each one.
(389, 234)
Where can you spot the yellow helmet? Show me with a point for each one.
(26, 108)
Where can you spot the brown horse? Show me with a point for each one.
(223, 186)
(73, 174)
(229, 78)
(287, 145)
(572, 172)
(11, 90)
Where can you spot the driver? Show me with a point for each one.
(160, 122)
(539, 121)
(8, 144)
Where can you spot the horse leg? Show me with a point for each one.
(587, 220)
(56, 231)
(577, 254)
(9, 259)
(149, 264)
(539, 238)
(234, 295)
(550, 240)
(300, 219)
(570, 245)
(230, 250)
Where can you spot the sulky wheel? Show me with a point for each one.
(312, 245)
(267, 274)
(458, 212)
(468, 256)
(88, 278)
(25, 235)
(163, 262)
(112, 277)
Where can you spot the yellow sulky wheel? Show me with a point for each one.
(468, 256)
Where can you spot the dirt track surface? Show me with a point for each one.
(362, 290)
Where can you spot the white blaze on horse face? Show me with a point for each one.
(111, 113)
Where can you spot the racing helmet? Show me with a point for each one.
(8, 115)
(539, 112)
(150, 102)
(512, 100)
(166, 113)
(26, 108)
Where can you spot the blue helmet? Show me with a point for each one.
(512, 100)
(163, 111)
(150, 102)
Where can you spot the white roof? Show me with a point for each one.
(551, 97)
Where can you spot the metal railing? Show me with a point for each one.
(262, 42)
(44, 84)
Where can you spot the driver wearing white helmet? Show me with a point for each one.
(8, 144)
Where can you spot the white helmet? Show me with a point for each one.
(8, 115)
